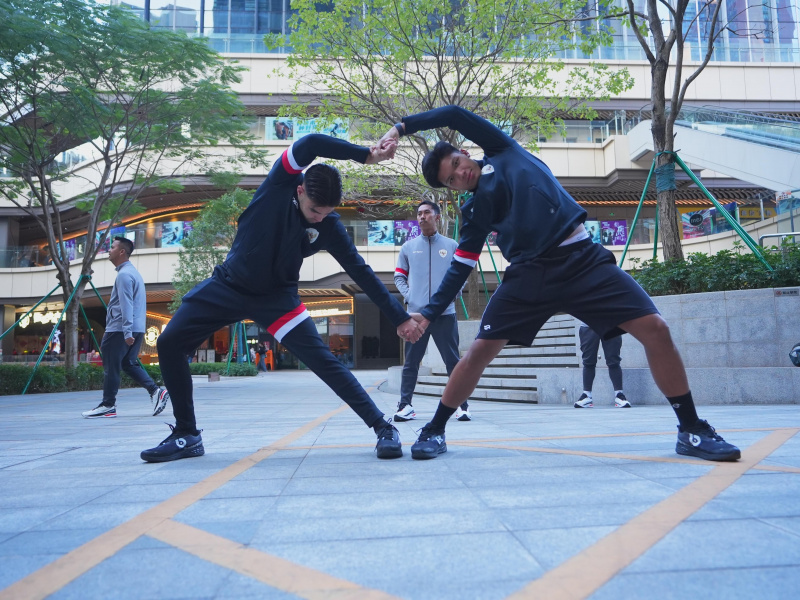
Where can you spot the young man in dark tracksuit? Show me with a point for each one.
(290, 218)
(554, 267)
(421, 265)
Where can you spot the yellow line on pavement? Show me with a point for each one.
(62, 571)
(272, 570)
(583, 574)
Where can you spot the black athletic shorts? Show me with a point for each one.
(581, 279)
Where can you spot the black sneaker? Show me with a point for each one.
(702, 441)
(429, 444)
(389, 445)
(178, 445)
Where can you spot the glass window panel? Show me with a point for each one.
(219, 18)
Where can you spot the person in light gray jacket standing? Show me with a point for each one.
(422, 263)
(125, 324)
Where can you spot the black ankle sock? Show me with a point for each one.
(684, 409)
(440, 418)
(378, 426)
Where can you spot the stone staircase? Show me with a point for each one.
(511, 376)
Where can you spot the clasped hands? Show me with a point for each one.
(413, 329)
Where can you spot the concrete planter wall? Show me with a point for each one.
(735, 346)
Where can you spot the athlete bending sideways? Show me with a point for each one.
(554, 267)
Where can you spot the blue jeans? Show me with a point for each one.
(117, 357)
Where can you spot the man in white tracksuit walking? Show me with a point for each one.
(421, 265)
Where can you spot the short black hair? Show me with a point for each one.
(430, 203)
(125, 243)
(323, 184)
(432, 160)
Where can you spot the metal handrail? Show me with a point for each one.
(780, 235)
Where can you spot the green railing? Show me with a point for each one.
(58, 323)
(749, 241)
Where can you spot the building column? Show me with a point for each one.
(7, 314)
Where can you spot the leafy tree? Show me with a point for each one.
(145, 106)
(374, 61)
(662, 28)
(212, 235)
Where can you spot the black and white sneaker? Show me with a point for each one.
(405, 413)
(702, 440)
(177, 445)
(100, 411)
(429, 444)
(620, 401)
(463, 415)
(584, 402)
(389, 445)
(159, 399)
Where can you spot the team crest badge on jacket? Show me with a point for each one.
(486, 170)
(443, 252)
(313, 234)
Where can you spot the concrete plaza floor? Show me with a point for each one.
(290, 502)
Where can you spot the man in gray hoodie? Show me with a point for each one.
(125, 324)
(422, 263)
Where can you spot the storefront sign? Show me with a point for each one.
(151, 336)
(48, 317)
(330, 307)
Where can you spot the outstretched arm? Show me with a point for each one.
(477, 129)
(342, 249)
(473, 237)
(310, 147)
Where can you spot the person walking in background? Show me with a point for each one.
(125, 325)
(421, 265)
(590, 344)
(554, 267)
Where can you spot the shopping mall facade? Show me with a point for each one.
(603, 163)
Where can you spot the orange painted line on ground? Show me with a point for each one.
(589, 453)
(609, 435)
(583, 574)
(272, 570)
(57, 574)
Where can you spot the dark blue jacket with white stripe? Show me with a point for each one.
(273, 237)
(517, 196)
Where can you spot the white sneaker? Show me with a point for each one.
(620, 401)
(100, 411)
(159, 400)
(405, 414)
(584, 402)
(463, 415)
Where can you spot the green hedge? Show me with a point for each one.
(60, 379)
(726, 270)
(237, 369)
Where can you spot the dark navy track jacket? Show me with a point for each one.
(517, 196)
(273, 238)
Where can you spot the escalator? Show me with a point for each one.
(754, 147)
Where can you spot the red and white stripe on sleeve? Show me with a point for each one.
(399, 271)
(289, 163)
(468, 258)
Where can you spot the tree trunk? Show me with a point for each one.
(668, 225)
(71, 321)
(474, 289)
(664, 141)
